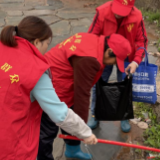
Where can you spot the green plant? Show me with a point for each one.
(158, 158)
(152, 136)
(143, 107)
(139, 151)
(158, 43)
(151, 16)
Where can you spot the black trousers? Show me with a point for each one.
(48, 132)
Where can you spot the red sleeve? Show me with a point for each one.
(95, 27)
(141, 41)
(85, 70)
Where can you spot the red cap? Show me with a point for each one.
(121, 48)
(122, 7)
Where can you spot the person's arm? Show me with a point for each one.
(95, 27)
(141, 41)
(85, 70)
(65, 118)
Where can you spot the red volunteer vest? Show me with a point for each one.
(81, 44)
(20, 70)
(128, 27)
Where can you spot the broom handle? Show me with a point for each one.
(113, 143)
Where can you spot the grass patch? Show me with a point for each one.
(144, 107)
(152, 138)
(152, 134)
(158, 45)
(151, 16)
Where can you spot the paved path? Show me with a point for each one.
(67, 17)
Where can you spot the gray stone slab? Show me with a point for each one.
(2, 14)
(11, 1)
(26, 8)
(2, 22)
(13, 20)
(69, 13)
(44, 8)
(80, 29)
(152, 48)
(15, 6)
(152, 59)
(61, 28)
(14, 13)
(108, 131)
(56, 4)
(82, 22)
(10, 5)
(35, 2)
(52, 4)
(50, 19)
(39, 12)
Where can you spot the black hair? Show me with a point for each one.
(106, 46)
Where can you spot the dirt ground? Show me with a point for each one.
(134, 137)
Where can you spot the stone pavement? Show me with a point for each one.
(67, 17)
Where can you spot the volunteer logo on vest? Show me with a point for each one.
(76, 38)
(77, 41)
(128, 54)
(6, 67)
(14, 78)
(73, 48)
(130, 27)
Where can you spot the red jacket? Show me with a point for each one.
(132, 28)
(63, 76)
(20, 70)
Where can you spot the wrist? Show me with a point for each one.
(135, 63)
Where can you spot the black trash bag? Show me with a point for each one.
(114, 100)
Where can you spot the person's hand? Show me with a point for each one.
(132, 67)
(90, 140)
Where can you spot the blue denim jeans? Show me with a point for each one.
(105, 76)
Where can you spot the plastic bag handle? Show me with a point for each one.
(146, 55)
(129, 75)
